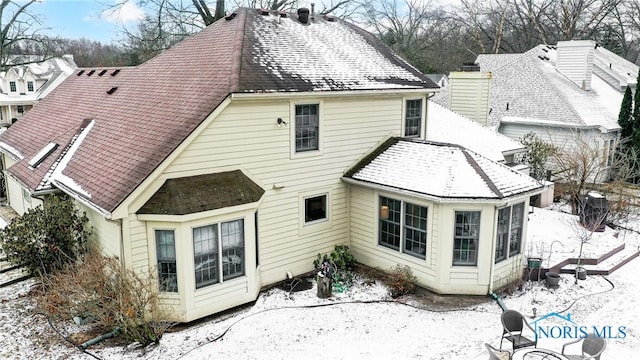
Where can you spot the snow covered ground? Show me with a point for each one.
(365, 322)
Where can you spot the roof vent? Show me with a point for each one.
(102, 72)
(470, 67)
(282, 13)
(115, 72)
(303, 15)
(80, 72)
(330, 18)
(42, 155)
(112, 90)
(90, 72)
(263, 11)
(230, 16)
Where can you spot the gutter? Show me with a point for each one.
(85, 202)
(442, 200)
(340, 94)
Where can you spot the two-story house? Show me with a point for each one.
(567, 94)
(21, 86)
(238, 155)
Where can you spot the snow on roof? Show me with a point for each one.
(58, 177)
(528, 86)
(440, 170)
(444, 125)
(149, 118)
(325, 55)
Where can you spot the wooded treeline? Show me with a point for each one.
(434, 36)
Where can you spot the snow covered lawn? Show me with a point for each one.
(365, 322)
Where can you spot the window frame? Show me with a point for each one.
(515, 224)
(472, 237)
(397, 226)
(13, 86)
(221, 248)
(30, 86)
(325, 196)
(211, 272)
(20, 109)
(294, 152)
(406, 118)
(160, 260)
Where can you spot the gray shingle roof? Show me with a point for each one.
(199, 193)
(141, 114)
(440, 170)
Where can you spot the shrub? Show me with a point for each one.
(401, 281)
(100, 290)
(341, 263)
(46, 238)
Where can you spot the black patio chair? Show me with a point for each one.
(513, 325)
(592, 348)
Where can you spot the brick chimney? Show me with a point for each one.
(575, 61)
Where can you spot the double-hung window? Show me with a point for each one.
(307, 127)
(232, 236)
(30, 86)
(517, 216)
(413, 117)
(12, 86)
(403, 227)
(205, 251)
(166, 253)
(218, 248)
(509, 231)
(465, 242)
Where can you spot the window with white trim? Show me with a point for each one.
(465, 241)
(307, 127)
(12, 86)
(30, 86)
(412, 117)
(403, 227)
(610, 152)
(166, 253)
(218, 248)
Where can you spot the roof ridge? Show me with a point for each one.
(236, 67)
(474, 164)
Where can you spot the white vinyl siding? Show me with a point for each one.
(263, 148)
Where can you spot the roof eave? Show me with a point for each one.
(444, 199)
(293, 94)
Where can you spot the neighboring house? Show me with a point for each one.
(21, 86)
(241, 153)
(562, 93)
(440, 79)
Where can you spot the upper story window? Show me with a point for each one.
(307, 127)
(465, 241)
(403, 227)
(30, 86)
(509, 231)
(12, 86)
(413, 117)
(166, 252)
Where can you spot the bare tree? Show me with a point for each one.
(20, 31)
(412, 28)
